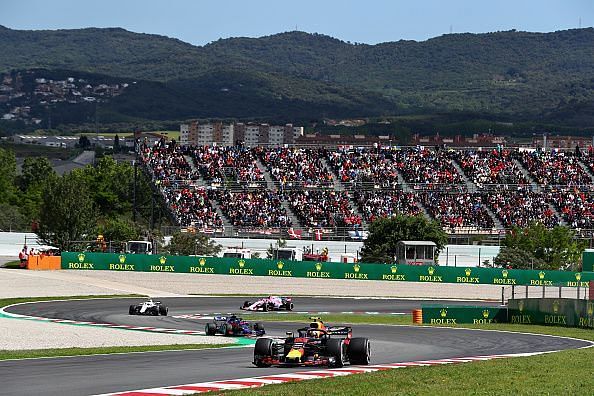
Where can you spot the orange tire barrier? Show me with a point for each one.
(417, 316)
(41, 263)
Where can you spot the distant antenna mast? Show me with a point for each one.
(296, 25)
(451, 29)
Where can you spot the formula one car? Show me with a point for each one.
(270, 303)
(233, 326)
(149, 307)
(316, 345)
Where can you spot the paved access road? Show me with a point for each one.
(111, 373)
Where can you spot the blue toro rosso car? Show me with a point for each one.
(234, 326)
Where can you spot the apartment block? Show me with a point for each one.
(251, 135)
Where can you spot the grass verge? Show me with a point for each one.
(332, 318)
(58, 352)
(12, 264)
(566, 372)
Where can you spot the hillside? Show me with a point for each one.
(515, 76)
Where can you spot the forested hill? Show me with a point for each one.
(510, 74)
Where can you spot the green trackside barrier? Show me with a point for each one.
(311, 269)
(552, 311)
(439, 314)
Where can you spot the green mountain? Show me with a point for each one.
(511, 76)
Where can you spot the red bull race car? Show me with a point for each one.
(270, 303)
(316, 345)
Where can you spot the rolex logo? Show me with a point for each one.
(431, 270)
(578, 276)
(521, 305)
(356, 267)
(393, 269)
(486, 314)
(241, 263)
(468, 271)
(504, 273)
(81, 257)
(202, 261)
(280, 265)
(555, 306)
(162, 260)
(318, 266)
(590, 309)
(541, 275)
(443, 313)
(122, 258)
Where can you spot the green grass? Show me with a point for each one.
(331, 318)
(12, 264)
(9, 301)
(37, 353)
(566, 372)
(57, 352)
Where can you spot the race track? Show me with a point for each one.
(111, 373)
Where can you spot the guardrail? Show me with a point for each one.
(329, 270)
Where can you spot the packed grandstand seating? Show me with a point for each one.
(296, 167)
(457, 210)
(335, 188)
(556, 168)
(489, 167)
(218, 163)
(322, 208)
(257, 208)
(377, 204)
(520, 206)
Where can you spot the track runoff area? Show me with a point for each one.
(194, 371)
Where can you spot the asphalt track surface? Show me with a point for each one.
(111, 373)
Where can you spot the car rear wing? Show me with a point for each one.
(220, 318)
(339, 330)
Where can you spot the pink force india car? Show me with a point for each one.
(270, 303)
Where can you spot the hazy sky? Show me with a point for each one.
(364, 21)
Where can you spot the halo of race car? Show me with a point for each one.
(315, 345)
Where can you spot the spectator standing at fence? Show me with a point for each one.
(23, 257)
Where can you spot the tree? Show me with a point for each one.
(118, 229)
(35, 172)
(510, 257)
(116, 144)
(384, 235)
(11, 219)
(186, 244)
(7, 177)
(84, 142)
(555, 248)
(67, 213)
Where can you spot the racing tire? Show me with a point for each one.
(336, 349)
(289, 306)
(262, 348)
(155, 311)
(228, 329)
(163, 310)
(210, 329)
(258, 327)
(359, 351)
(132, 310)
(246, 304)
(265, 307)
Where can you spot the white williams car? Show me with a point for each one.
(149, 307)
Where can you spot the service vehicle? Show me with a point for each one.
(149, 307)
(270, 303)
(316, 345)
(233, 326)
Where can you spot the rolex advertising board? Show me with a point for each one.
(552, 311)
(312, 269)
(449, 315)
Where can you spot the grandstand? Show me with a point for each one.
(239, 191)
